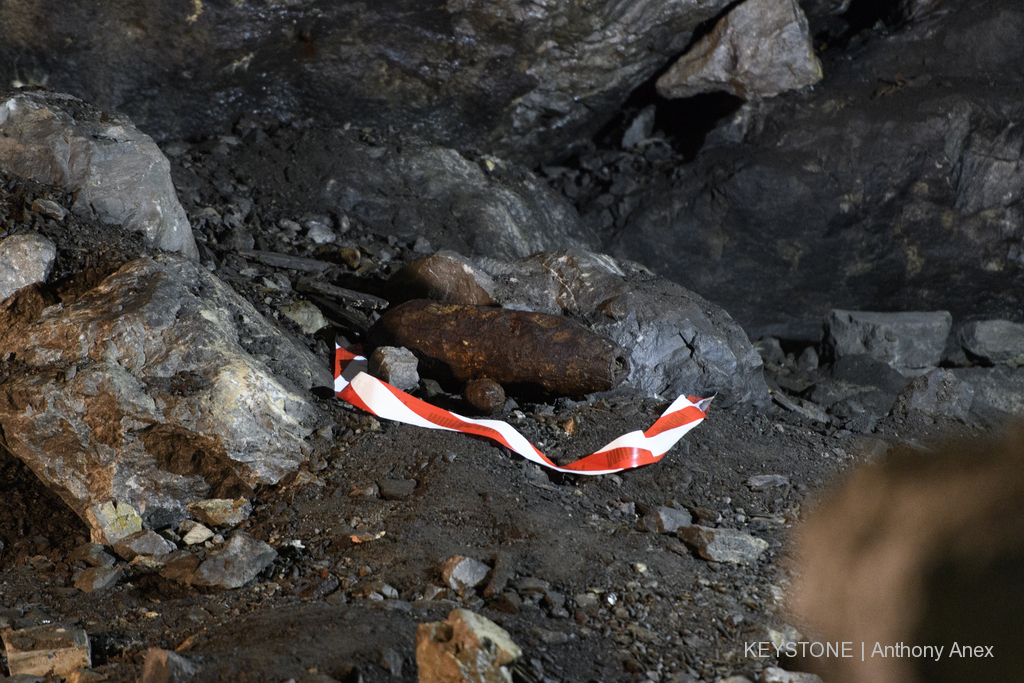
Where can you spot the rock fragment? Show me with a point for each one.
(995, 341)
(308, 317)
(39, 650)
(49, 208)
(465, 648)
(221, 511)
(902, 340)
(145, 542)
(193, 532)
(24, 260)
(997, 388)
(116, 172)
(939, 392)
(236, 564)
(773, 674)
(664, 520)
(396, 489)
(395, 365)
(723, 545)
(164, 666)
(485, 395)
(98, 579)
(94, 554)
(463, 573)
(110, 522)
(759, 49)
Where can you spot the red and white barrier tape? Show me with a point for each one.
(353, 384)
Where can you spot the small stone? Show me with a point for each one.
(236, 564)
(763, 482)
(587, 602)
(49, 208)
(395, 365)
(640, 128)
(485, 395)
(38, 650)
(723, 545)
(664, 520)
(98, 579)
(999, 342)
(164, 666)
(465, 647)
(180, 566)
(392, 661)
(193, 532)
(84, 676)
(24, 260)
(396, 489)
(550, 637)
(221, 511)
(463, 573)
(319, 232)
(93, 554)
(145, 542)
(308, 317)
(776, 675)
(111, 521)
(808, 360)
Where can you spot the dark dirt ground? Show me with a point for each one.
(332, 609)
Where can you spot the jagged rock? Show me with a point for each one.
(93, 554)
(723, 545)
(236, 564)
(395, 365)
(221, 511)
(182, 392)
(759, 49)
(194, 532)
(164, 666)
(112, 521)
(676, 341)
(939, 392)
(308, 317)
(24, 260)
(902, 340)
(38, 650)
(145, 542)
(996, 341)
(465, 648)
(98, 579)
(483, 75)
(116, 172)
(461, 572)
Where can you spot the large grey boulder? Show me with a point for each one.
(507, 77)
(117, 172)
(759, 49)
(911, 339)
(676, 341)
(994, 341)
(155, 389)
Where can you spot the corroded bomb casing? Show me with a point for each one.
(515, 348)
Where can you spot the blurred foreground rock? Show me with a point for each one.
(157, 388)
(921, 549)
(40, 650)
(116, 172)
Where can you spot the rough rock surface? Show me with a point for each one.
(886, 188)
(994, 341)
(676, 341)
(157, 388)
(528, 79)
(235, 564)
(902, 340)
(117, 173)
(464, 647)
(759, 49)
(24, 260)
